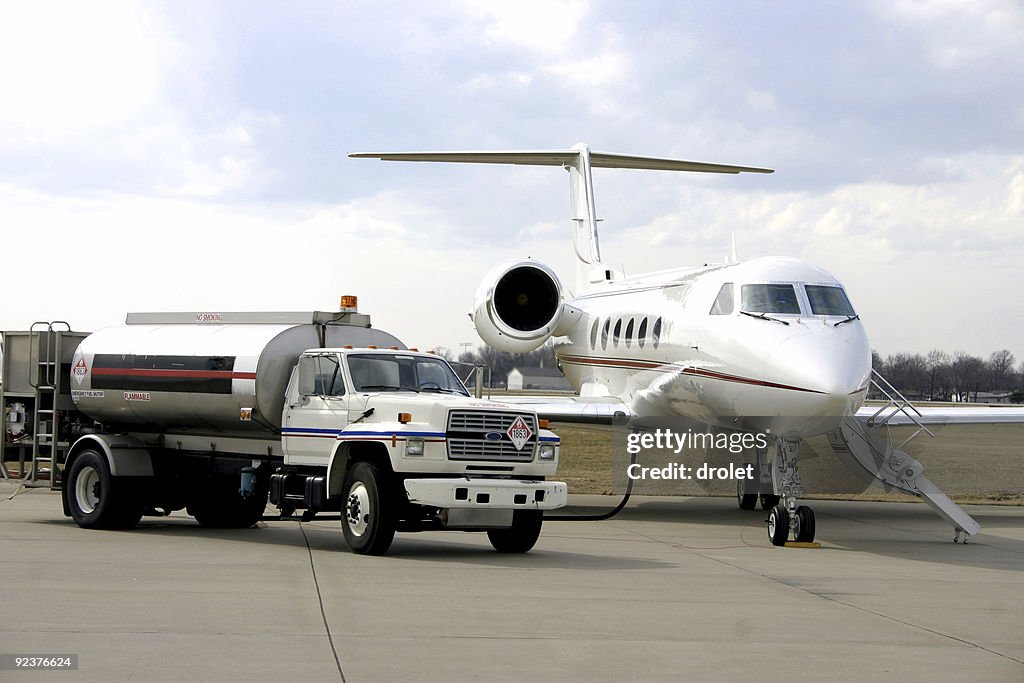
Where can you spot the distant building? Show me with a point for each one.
(993, 397)
(544, 379)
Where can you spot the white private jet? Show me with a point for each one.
(770, 345)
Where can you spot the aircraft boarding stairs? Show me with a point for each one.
(866, 446)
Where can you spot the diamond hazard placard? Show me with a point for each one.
(519, 433)
(80, 370)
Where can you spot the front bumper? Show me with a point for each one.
(480, 493)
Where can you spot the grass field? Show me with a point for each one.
(970, 463)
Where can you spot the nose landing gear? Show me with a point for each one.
(782, 522)
(777, 484)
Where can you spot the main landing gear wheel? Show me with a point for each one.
(521, 536)
(746, 501)
(804, 526)
(368, 518)
(778, 525)
(768, 501)
(95, 498)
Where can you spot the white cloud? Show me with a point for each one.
(925, 264)
(601, 70)
(961, 34)
(548, 26)
(896, 129)
(71, 68)
(125, 253)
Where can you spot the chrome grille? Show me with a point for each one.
(467, 441)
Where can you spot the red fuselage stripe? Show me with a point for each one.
(668, 367)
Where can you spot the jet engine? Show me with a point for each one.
(519, 306)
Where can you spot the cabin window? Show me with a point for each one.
(629, 332)
(641, 335)
(770, 298)
(828, 300)
(604, 333)
(617, 334)
(724, 303)
(593, 333)
(656, 333)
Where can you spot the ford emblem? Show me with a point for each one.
(493, 436)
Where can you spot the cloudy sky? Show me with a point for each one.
(191, 155)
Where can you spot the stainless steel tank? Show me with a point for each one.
(223, 373)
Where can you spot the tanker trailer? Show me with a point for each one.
(318, 412)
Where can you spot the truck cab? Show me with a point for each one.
(405, 447)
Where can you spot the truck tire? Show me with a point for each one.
(95, 498)
(220, 506)
(521, 536)
(368, 517)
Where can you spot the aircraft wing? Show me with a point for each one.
(606, 411)
(572, 410)
(943, 415)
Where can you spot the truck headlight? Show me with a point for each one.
(414, 447)
(547, 451)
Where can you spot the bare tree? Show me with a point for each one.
(967, 373)
(1000, 370)
(877, 363)
(907, 372)
(444, 352)
(937, 365)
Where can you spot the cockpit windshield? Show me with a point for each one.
(396, 372)
(769, 298)
(826, 300)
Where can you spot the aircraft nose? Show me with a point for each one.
(832, 363)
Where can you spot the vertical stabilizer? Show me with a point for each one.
(584, 216)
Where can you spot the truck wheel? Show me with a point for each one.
(368, 513)
(521, 536)
(95, 498)
(219, 505)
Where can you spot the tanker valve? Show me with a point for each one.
(248, 484)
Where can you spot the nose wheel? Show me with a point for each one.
(746, 501)
(782, 521)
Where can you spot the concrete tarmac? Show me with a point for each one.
(672, 589)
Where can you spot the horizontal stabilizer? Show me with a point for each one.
(578, 161)
(565, 157)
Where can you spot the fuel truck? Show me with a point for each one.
(219, 413)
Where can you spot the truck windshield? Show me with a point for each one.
(396, 372)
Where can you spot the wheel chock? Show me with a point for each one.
(801, 544)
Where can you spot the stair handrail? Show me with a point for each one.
(900, 404)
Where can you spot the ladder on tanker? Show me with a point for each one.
(46, 458)
(867, 447)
